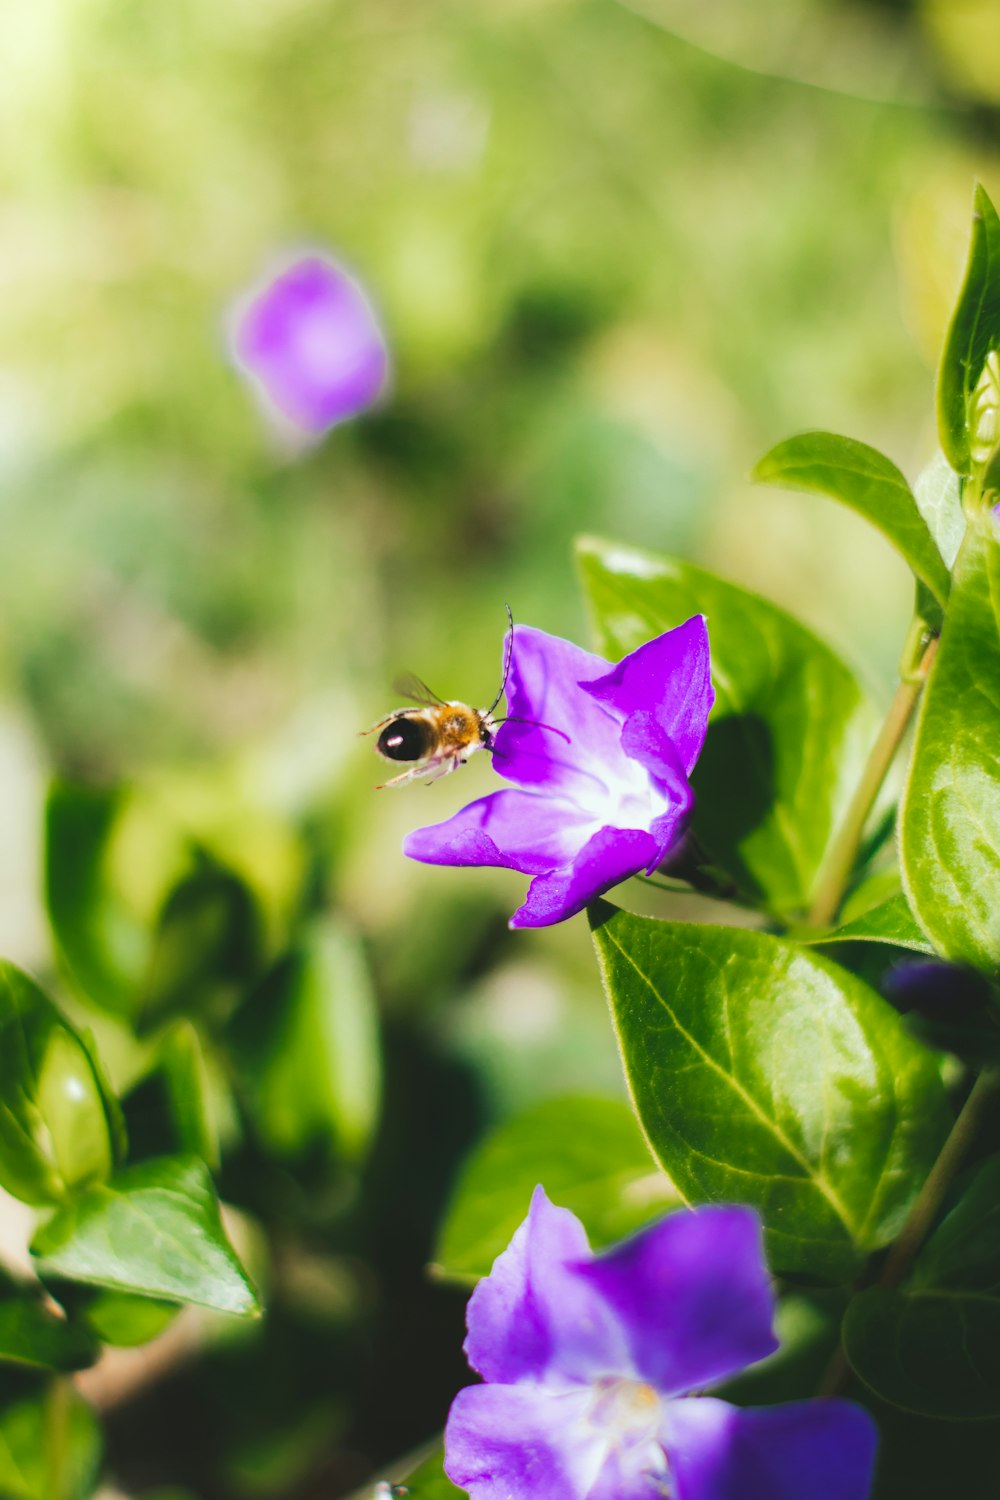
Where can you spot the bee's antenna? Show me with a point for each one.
(506, 661)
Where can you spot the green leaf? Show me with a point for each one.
(950, 817)
(307, 1047)
(868, 482)
(206, 949)
(122, 1319)
(890, 922)
(59, 1128)
(790, 727)
(186, 1081)
(426, 1482)
(974, 333)
(25, 1449)
(588, 1154)
(102, 945)
(938, 493)
(933, 1347)
(31, 1334)
(764, 1074)
(154, 1229)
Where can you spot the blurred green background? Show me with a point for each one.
(619, 249)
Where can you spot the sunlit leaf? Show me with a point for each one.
(938, 493)
(950, 815)
(763, 1074)
(868, 482)
(590, 1157)
(59, 1126)
(890, 922)
(973, 335)
(154, 1229)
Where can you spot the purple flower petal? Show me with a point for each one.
(573, 742)
(530, 1315)
(512, 829)
(693, 1294)
(557, 1443)
(608, 857)
(614, 782)
(310, 338)
(807, 1450)
(503, 1440)
(669, 677)
(645, 740)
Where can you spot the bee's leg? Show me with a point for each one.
(405, 776)
(444, 768)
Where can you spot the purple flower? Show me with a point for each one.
(311, 340)
(588, 1361)
(599, 755)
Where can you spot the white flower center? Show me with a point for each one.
(626, 1416)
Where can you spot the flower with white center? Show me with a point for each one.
(593, 1364)
(599, 754)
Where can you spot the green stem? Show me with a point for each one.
(976, 1110)
(57, 1409)
(844, 849)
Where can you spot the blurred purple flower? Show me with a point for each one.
(599, 755)
(587, 1361)
(311, 340)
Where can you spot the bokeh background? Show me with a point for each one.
(618, 248)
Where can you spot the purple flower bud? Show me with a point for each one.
(311, 341)
(599, 755)
(938, 990)
(588, 1362)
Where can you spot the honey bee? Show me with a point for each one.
(436, 736)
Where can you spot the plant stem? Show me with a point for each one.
(983, 1096)
(57, 1409)
(977, 1108)
(843, 851)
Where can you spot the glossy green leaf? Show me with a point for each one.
(590, 1157)
(789, 730)
(154, 1229)
(933, 1347)
(102, 945)
(59, 1128)
(938, 493)
(950, 815)
(26, 1471)
(868, 482)
(764, 1074)
(974, 333)
(890, 922)
(307, 1047)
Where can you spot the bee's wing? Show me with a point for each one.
(409, 685)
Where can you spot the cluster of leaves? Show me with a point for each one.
(764, 1063)
(228, 1014)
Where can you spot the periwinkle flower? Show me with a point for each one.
(592, 1365)
(599, 755)
(311, 340)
